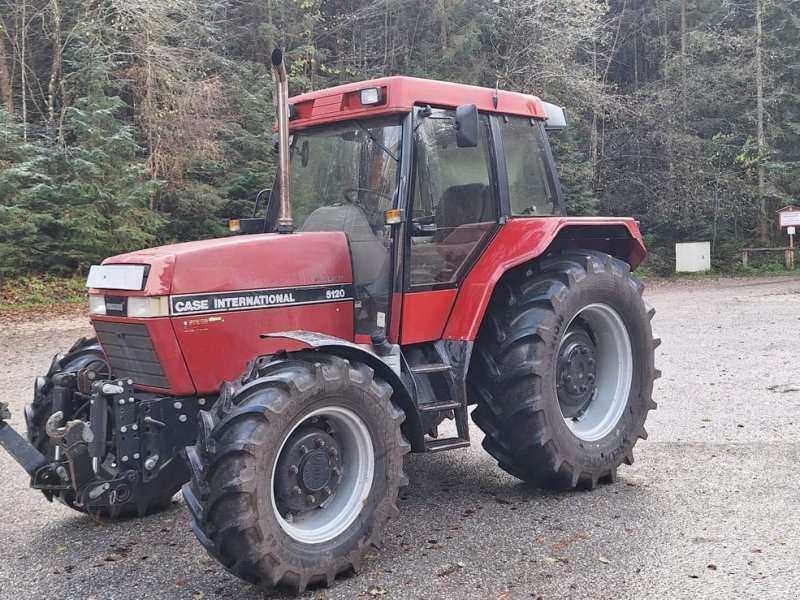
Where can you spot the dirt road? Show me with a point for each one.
(710, 509)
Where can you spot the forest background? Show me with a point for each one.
(131, 123)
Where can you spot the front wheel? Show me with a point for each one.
(297, 471)
(563, 370)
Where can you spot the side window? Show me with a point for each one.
(454, 208)
(530, 187)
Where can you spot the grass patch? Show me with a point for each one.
(41, 291)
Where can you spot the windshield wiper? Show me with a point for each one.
(375, 139)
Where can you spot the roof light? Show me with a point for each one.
(556, 117)
(371, 96)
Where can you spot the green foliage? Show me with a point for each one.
(151, 122)
(26, 291)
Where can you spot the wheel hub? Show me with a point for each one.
(309, 470)
(576, 373)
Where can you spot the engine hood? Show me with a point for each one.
(242, 263)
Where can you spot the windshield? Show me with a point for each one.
(354, 164)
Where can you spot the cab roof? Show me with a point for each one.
(400, 95)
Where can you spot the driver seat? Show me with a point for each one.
(370, 255)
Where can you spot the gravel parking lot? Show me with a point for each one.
(710, 509)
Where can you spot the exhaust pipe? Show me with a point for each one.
(285, 223)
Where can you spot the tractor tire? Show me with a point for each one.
(296, 470)
(563, 370)
(87, 353)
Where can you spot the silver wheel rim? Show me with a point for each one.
(614, 373)
(358, 471)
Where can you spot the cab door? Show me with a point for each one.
(453, 214)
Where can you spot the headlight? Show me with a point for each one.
(97, 304)
(137, 307)
(148, 307)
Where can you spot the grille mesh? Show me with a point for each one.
(130, 351)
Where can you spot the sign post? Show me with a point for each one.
(789, 217)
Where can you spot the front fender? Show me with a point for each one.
(387, 367)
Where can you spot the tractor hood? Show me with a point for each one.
(243, 263)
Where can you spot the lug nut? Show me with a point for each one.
(123, 429)
(584, 351)
(303, 449)
(122, 401)
(569, 378)
(326, 490)
(333, 452)
(590, 377)
(293, 470)
(319, 442)
(310, 499)
(296, 490)
(569, 363)
(337, 471)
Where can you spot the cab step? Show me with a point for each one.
(445, 444)
(440, 406)
(430, 368)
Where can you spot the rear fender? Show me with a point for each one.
(521, 241)
(390, 373)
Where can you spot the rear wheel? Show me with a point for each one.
(296, 471)
(563, 370)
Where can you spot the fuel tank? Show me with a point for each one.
(218, 297)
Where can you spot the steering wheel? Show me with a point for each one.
(356, 190)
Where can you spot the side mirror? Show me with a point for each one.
(467, 126)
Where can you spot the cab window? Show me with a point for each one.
(453, 209)
(531, 189)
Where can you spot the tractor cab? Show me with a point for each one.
(419, 188)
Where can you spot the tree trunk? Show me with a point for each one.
(23, 79)
(55, 69)
(6, 91)
(684, 61)
(760, 136)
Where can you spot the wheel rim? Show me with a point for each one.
(594, 372)
(329, 457)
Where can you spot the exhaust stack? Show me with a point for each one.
(285, 223)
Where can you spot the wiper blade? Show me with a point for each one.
(375, 139)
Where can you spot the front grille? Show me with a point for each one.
(131, 353)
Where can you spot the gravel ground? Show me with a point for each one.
(708, 510)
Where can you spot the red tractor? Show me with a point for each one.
(425, 264)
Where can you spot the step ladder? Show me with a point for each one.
(458, 404)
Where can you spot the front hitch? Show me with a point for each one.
(18, 447)
(44, 474)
